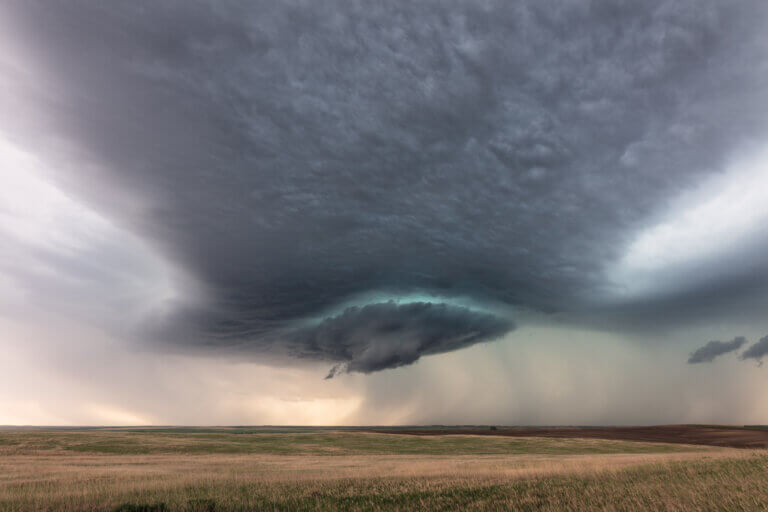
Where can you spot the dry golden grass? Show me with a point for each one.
(58, 479)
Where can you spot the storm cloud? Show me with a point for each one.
(713, 349)
(467, 160)
(387, 335)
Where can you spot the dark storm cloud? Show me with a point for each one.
(757, 350)
(293, 155)
(713, 349)
(387, 335)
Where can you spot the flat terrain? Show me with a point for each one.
(311, 442)
(709, 435)
(321, 469)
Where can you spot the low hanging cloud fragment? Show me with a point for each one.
(388, 335)
(756, 351)
(713, 349)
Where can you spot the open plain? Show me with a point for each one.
(755, 436)
(227, 469)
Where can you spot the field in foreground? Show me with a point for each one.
(240, 469)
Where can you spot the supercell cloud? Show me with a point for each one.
(490, 158)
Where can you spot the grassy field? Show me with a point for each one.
(156, 442)
(163, 470)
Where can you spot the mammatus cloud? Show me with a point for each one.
(288, 156)
(756, 351)
(713, 349)
(387, 335)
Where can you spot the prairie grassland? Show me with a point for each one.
(50, 472)
(154, 442)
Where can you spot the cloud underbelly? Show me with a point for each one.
(388, 335)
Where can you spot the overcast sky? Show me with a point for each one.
(385, 212)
